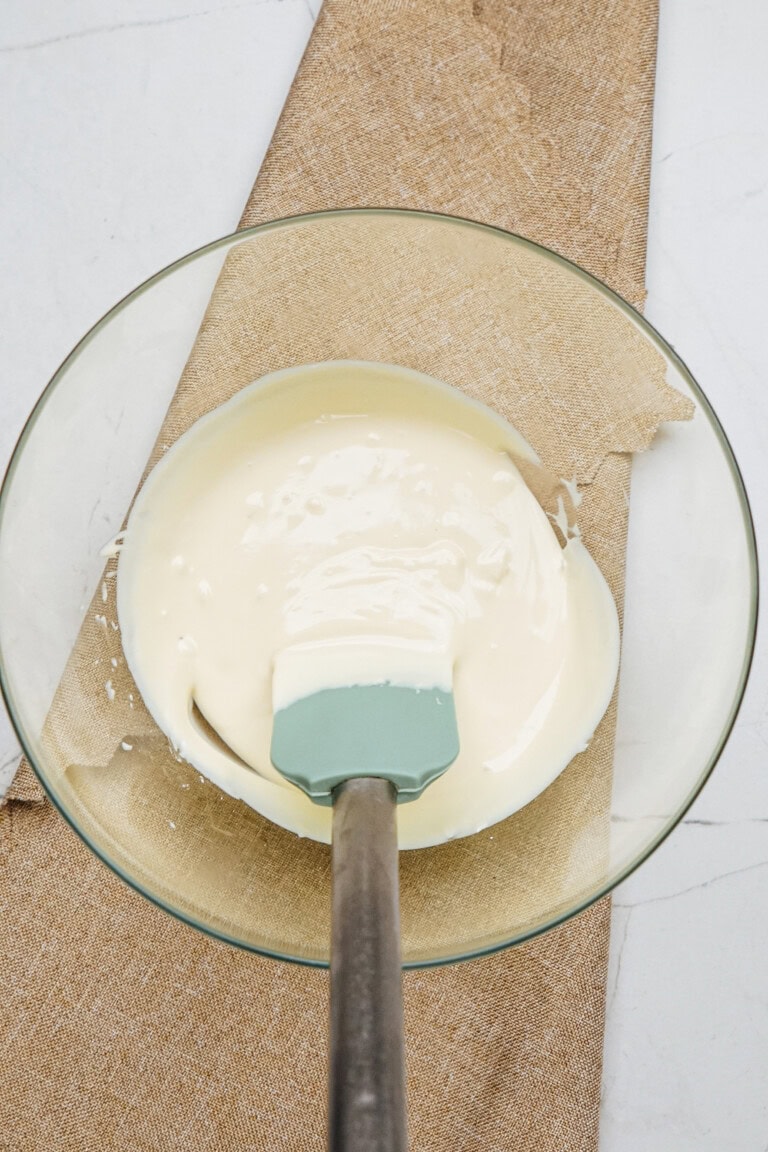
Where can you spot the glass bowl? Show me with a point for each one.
(484, 310)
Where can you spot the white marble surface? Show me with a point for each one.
(131, 133)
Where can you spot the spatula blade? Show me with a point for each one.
(408, 736)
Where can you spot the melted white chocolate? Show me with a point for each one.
(372, 516)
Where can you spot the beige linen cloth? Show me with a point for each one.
(121, 1028)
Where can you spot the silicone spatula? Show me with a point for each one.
(363, 748)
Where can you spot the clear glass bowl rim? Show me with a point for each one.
(665, 349)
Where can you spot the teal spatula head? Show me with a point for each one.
(407, 735)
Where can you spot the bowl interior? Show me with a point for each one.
(552, 350)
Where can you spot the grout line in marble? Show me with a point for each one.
(725, 823)
(628, 909)
(11, 760)
(102, 29)
(704, 142)
(693, 823)
(693, 888)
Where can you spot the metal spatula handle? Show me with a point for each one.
(367, 1071)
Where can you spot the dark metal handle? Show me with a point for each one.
(367, 1071)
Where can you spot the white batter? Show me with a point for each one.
(361, 502)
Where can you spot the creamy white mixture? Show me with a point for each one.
(376, 516)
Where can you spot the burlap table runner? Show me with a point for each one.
(124, 1029)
